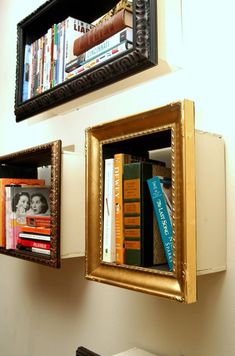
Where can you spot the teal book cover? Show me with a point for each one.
(162, 213)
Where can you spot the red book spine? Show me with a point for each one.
(31, 243)
(102, 31)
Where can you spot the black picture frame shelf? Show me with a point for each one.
(143, 55)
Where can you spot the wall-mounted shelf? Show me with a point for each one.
(141, 56)
(60, 169)
(198, 218)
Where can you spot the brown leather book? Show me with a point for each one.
(103, 31)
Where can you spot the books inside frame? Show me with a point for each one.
(164, 135)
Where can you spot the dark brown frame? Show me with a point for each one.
(142, 56)
(46, 154)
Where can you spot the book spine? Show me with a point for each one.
(36, 230)
(32, 243)
(35, 250)
(132, 213)
(122, 4)
(73, 29)
(54, 79)
(47, 60)
(8, 215)
(41, 72)
(109, 55)
(100, 33)
(38, 221)
(27, 63)
(117, 39)
(61, 53)
(162, 215)
(109, 249)
(118, 198)
(26, 235)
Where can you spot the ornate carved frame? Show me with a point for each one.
(142, 56)
(178, 120)
(46, 154)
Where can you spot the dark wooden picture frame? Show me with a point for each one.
(142, 56)
(39, 156)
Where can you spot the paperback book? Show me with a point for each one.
(20, 202)
(160, 191)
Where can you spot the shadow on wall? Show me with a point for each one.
(65, 287)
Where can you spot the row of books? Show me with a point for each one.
(137, 220)
(58, 55)
(25, 215)
(45, 58)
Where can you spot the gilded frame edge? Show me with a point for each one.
(180, 285)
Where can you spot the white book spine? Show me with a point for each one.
(8, 214)
(41, 250)
(110, 54)
(109, 251)
(73, 29)
(123, 35)
(26, 235)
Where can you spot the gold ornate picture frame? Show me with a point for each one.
(168, 126)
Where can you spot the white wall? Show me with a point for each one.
(51, 312)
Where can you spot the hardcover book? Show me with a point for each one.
(109, 246)
(122, 4)
(160, 191)
(31, 236)
(108, 55)
(159, 256)
(122, 36)
(35, 250)
(21, 242)
(27, 61)
(74, 29)
(143, 245)
(138, 222)
(120, 159)
(40, 230)
(102, 31)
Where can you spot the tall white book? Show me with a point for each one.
(109, 249)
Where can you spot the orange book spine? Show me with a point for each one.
(118, 197)
(102, 31)
(36, 230)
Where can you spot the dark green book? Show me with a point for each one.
(138, 216)
(143, 244)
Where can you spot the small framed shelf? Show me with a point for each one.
(58, 168)
(166, 134)
(143, 54)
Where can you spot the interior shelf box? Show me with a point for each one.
(60, 169)
(142, 56)
(197, 164)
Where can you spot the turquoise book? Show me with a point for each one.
(162, 213)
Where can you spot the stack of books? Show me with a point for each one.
(25, 215)
(35, 236)
(137, 228)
